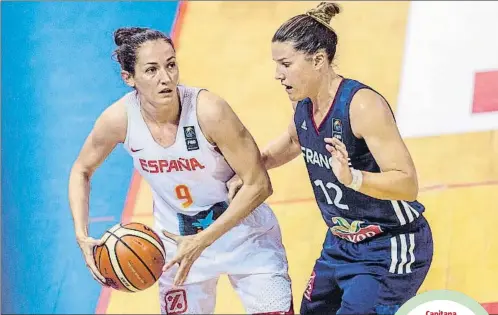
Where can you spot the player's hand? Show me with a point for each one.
(339, 160)
(87, 245)
(233, 186)
(189, 248)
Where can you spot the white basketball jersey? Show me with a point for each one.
(188, 176)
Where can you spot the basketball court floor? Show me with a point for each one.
(457, 172)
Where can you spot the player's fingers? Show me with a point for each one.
(96, 274)
(95, 277)
(96, 242)
(101, 241)
(342, 149)
(337, 142)
(339, 145)
(329, 140)
(343, 161)
(335, 159)
(182, 273)
(102, 282)
(338, 155)
(331, 160)
(171, 263)
(173, 237)
(91, 265)
(330, 148)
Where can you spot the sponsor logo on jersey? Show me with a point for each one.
(167, 166)
(353, 232)
(315, 158)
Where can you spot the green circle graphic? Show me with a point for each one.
(448, 295)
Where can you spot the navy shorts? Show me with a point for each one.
(375, 276)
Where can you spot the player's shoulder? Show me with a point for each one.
(211, 107)
(216, 117)
(113, 120)
(207, 97)
(369, 108)
(367, 99)
(116, 113)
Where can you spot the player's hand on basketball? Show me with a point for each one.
(233, 186)
(339, 160)
(189, 248)
(87, 245)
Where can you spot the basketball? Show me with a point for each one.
(132, 257)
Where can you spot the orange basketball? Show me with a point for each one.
(132, 257)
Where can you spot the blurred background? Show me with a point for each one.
(435, 62)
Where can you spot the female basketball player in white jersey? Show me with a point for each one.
(186, 143)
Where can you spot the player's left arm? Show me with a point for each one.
(372, 120)
(223, 128)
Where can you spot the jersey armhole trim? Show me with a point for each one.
(362, 87)
(127, 106)
(212, 147)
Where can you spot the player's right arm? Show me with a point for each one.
(283, 149)
(108, 130)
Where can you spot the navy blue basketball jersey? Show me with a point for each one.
(350, 214)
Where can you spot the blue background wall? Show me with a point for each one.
(57, 77)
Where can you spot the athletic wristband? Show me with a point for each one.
(357, 179)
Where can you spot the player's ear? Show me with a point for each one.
(128, 78)
(319, 59)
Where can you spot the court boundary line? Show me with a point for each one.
(135, 182)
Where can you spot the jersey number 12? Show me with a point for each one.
(338, 194)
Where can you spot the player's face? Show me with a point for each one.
(295, 70)
(156, 72)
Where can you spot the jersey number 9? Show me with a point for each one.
(183, 193)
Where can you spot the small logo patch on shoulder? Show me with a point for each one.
(190, 138)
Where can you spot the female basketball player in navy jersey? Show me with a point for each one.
(186, 143)
(378, 247)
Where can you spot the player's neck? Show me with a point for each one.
(162, 113)
(326, 92)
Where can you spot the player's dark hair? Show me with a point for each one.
(129, 39)
(311, 31)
